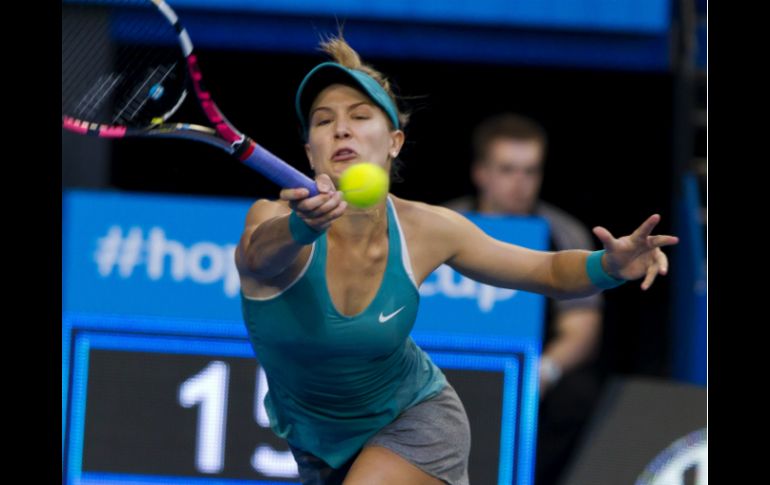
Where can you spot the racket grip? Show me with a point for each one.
(276, 170)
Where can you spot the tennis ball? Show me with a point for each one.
(364, 184)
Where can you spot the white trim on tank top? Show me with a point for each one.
(405, 260)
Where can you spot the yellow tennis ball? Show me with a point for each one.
(364, 184)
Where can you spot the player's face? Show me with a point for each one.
(510, 178)
(346, 128)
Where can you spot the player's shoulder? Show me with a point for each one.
(425, 216)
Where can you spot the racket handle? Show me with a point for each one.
(275, 169)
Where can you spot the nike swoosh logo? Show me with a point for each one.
(385, 318)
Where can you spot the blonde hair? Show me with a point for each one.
(343, 54)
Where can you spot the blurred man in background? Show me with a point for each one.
(507, 170)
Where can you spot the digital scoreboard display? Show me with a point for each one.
(159, 386)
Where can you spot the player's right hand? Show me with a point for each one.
(321, 210)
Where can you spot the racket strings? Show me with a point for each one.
(82, 75)
(94, 98)
(120, 66)
(148, 68)
(149, 89)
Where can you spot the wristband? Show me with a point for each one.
(596, 273)
(300, 231)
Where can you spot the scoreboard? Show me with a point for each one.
(160, 383)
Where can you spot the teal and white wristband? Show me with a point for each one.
(596, 273)
(300, 231)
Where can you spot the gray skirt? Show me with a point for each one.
(434, 435)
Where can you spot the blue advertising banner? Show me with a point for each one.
(151, 255)
(172, 256)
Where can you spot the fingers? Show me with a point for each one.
(652, 272)
(661, 241)
(641, 236)
(604, 236)
(324, 184)
(660, 266)
(305, 204)
(317, 211)
(320, 210)
(325, 220)
(319, 205)
(294, 194)
(299, 201)
(662, 262)
(646, 228)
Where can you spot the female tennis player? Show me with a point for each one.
(330, 295)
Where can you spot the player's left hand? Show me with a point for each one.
(638, 255)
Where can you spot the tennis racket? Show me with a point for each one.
(127, 67)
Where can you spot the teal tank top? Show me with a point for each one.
(334, 380)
